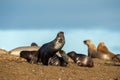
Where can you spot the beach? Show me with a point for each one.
(14, 68)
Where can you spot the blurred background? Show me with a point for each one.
(25, 21)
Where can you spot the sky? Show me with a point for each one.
(26, 21)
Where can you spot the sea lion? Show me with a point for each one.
(81, 59)
(3, 51)
(59, 59)
(92, 50)
(105, 53)
(118, 55)
(34, 44)
(117, 58)
(30, 56)
(17, 50)
(48, 50)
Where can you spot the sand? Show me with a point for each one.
(13, 68)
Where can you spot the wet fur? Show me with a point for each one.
(81, 59)
(59, 59)
(30, 56)
(49, 49)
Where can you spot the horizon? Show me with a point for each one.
(73, 39)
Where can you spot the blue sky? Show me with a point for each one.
(88, 19)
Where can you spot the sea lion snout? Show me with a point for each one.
(84, 42)
(60, 37)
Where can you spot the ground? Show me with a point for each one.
(12, 68)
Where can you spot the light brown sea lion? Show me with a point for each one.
(3, 51)
(106, 53)
(17, 50)
(92, 50)
(101, 52)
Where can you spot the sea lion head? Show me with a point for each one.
(59, 40)
(102, 47)
(92, 50)
(62, 57)
(88, 42)
(72, 54)
(59, 59)
(116, 58)
(34, 44)
(102, 43)
(54, 61)
(30, 56)
(86, 62)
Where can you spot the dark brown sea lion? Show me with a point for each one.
(49, 49)
(30, 56)
(34, 44)
(59, 59)
(81, 59)
(117, 58)
(118, 55)
(92, 50)
(106, 53)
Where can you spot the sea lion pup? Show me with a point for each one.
(59, 59)
(81, 59)
(34, 44)
(105, 54)
(92, 50)
(17, 50)
(49, 49)
(30, 56)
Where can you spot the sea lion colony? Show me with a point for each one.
(51, 53)
(101, 52)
